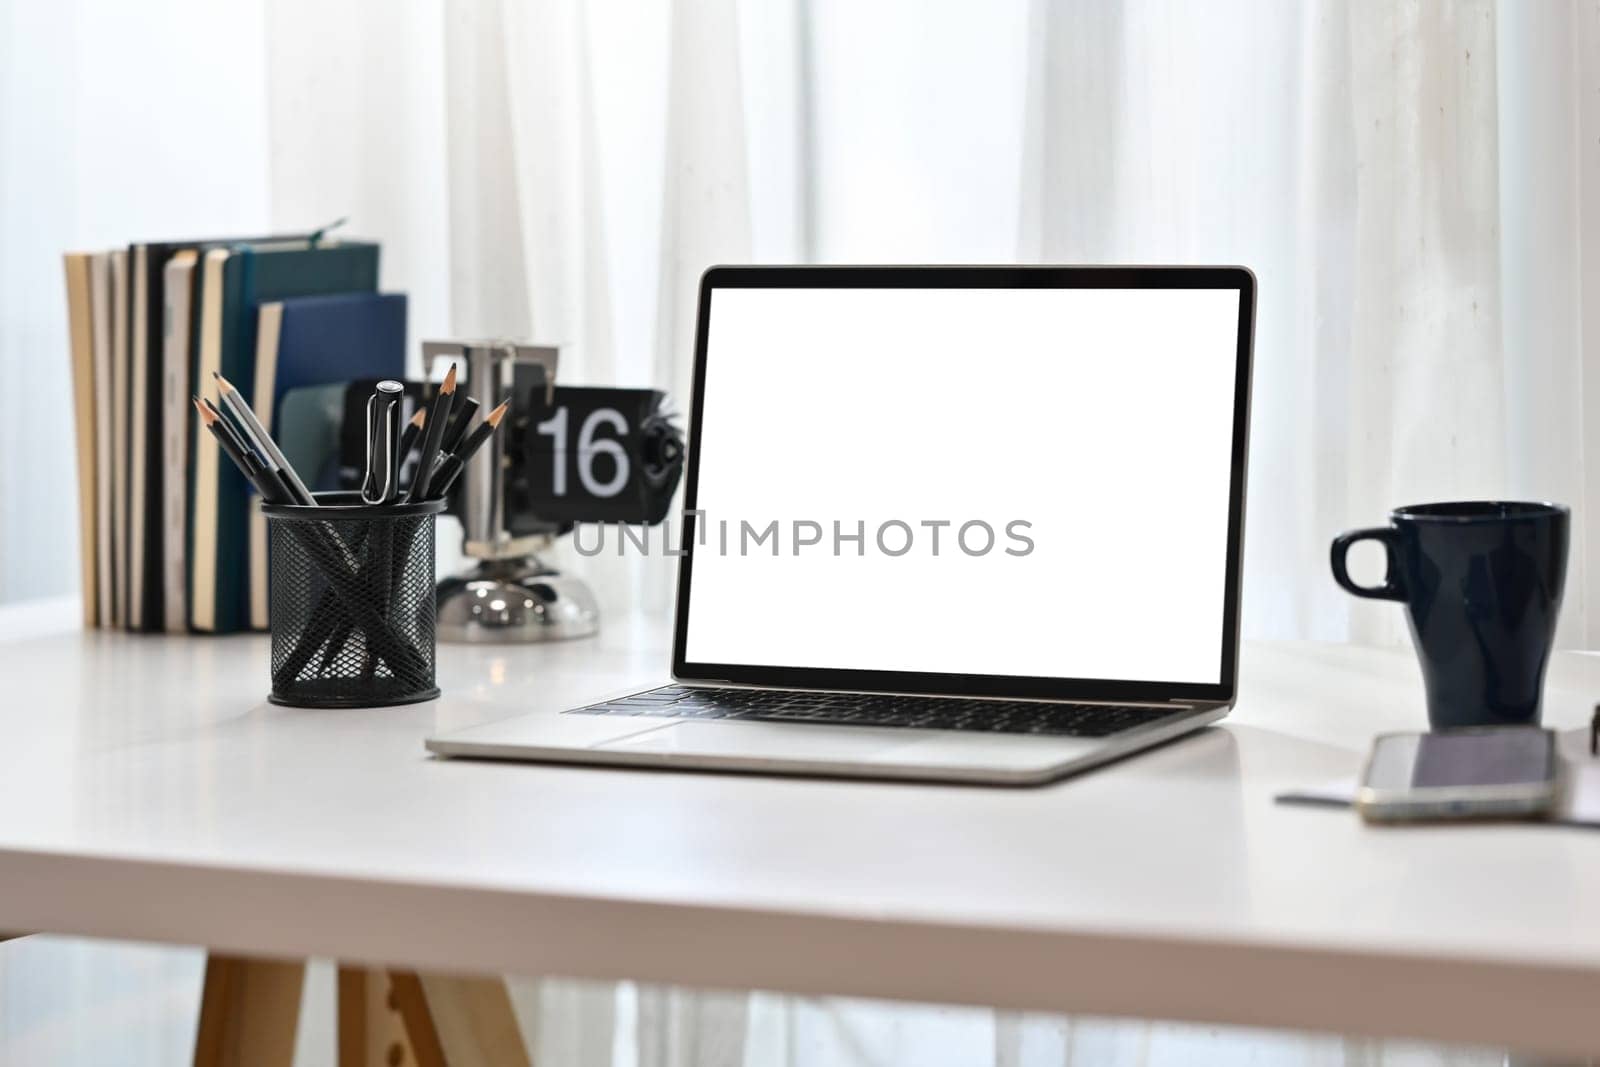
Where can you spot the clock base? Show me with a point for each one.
(515, 601)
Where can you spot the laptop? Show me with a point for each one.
(975, 524)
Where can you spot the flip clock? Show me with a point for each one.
(570, 454)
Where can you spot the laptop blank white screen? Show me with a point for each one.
(1029, 482)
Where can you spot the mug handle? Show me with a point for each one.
(1392, 588)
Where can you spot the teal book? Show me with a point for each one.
(233, 282)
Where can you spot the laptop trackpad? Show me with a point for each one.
(747, 743)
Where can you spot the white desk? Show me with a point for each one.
(147, 792)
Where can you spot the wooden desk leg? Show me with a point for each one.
(371, 1030)
(249, 1010)
(399, 1019)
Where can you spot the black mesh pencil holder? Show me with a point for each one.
(352, 602)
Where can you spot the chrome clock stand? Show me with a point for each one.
(509, 595)
(512, 600)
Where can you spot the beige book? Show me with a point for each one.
(80, 331)
(178, 294)
(269, 327)
(100, 314)
(138, 431)
(203, 565)
(119, 434)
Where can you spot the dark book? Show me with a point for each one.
(234, 281)
(144, 533)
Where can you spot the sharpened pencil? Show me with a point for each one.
(433, 433)
(258, 438)
(451, 466)
(408, 436)
(251, 467)
(460, 422)
(224, 425)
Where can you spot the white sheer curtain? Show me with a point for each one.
(1408, 181)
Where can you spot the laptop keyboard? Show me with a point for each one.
(854, 709)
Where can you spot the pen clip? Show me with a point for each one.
(369, 489)
(380, 484)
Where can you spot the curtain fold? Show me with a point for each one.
(552, 159)
(1420, 320)
(1428, 417)
(1546, 75)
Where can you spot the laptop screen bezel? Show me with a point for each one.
(987, 685)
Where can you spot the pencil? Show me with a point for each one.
(433, 433)
(223, 425)
(451, 466)
(460, 421)
(252, 468)
(408, 436)
(273, 487)
(481, 432)
(258, 438)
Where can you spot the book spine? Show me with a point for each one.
(100, 310)
(80, 332)
(152, 442)
(233, 490)
(119, 435)
(204, 536)
(269, 326)
(138, 428)
(176, 289)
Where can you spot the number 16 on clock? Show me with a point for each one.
(595, 455)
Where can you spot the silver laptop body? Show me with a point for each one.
(976, 524)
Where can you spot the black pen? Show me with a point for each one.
(432, 434)
(381, 484)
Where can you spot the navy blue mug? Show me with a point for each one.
(1482, 584)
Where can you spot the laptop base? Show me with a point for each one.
(806, 749)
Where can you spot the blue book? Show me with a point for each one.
(316, 340)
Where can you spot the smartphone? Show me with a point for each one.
(1493, 772)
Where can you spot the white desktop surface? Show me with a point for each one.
(148, 792)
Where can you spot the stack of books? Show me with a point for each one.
(171, 540)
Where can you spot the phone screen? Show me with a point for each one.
(1512, 756)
